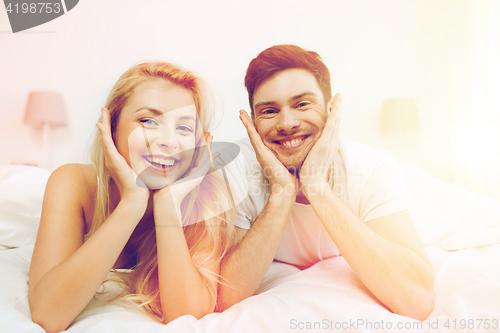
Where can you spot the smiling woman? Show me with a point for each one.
(126, 210)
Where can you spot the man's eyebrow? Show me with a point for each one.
(293, 98)
(263, 104)
(304, 94)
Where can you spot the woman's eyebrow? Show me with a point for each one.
(153, 110)
(187, 118)
(159, 113)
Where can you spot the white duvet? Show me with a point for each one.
(460, 229)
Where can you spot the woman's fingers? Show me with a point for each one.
(205, 158)
(112, 157)
(105, 129)
(209, 139)
(204, 150)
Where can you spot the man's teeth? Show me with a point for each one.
(161, 161)
(291, 142)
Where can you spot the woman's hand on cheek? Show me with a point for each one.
(118, 168)
(177, 191)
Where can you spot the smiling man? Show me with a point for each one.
(310, 194)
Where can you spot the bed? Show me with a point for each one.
(461, 231)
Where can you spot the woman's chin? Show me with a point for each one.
(153, 184)
(152, 181)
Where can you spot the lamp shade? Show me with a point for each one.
(399, 114)
(45, 108)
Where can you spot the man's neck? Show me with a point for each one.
(301, 197)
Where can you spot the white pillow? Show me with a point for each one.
(448, 216)
(21, 195)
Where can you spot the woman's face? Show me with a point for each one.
(156, 132)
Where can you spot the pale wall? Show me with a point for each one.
(375, 50)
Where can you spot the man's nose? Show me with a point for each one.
(287, 121)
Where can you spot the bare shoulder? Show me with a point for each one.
(82, 178)
(77, 182)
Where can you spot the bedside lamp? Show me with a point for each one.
(45, 109)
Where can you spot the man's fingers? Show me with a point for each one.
(331, 126)
(255, 139)
(326, 145)
(252, 133)
(247, 122)
(337, 103)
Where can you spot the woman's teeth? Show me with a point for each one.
(161, 162)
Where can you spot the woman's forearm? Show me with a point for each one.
(64, 291)
(182, 288)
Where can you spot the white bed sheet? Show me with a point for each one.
(467, 287)
(460, 229)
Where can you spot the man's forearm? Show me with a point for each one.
(243, 269)
(399, 277)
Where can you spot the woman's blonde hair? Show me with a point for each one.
(209, 202)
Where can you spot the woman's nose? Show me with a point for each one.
(166, 139)
(287, 121)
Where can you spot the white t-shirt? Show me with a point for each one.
(370, 182)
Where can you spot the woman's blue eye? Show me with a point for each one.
(185, 128)
(150, 122)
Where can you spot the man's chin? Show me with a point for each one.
(293, 163)
(292, 166)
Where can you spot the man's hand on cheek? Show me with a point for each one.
(315, 171)
(280, 179)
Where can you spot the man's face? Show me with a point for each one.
(290, 115)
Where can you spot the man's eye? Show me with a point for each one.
(268, 111)
(185, 128)
(303, 104)
(148, 122)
